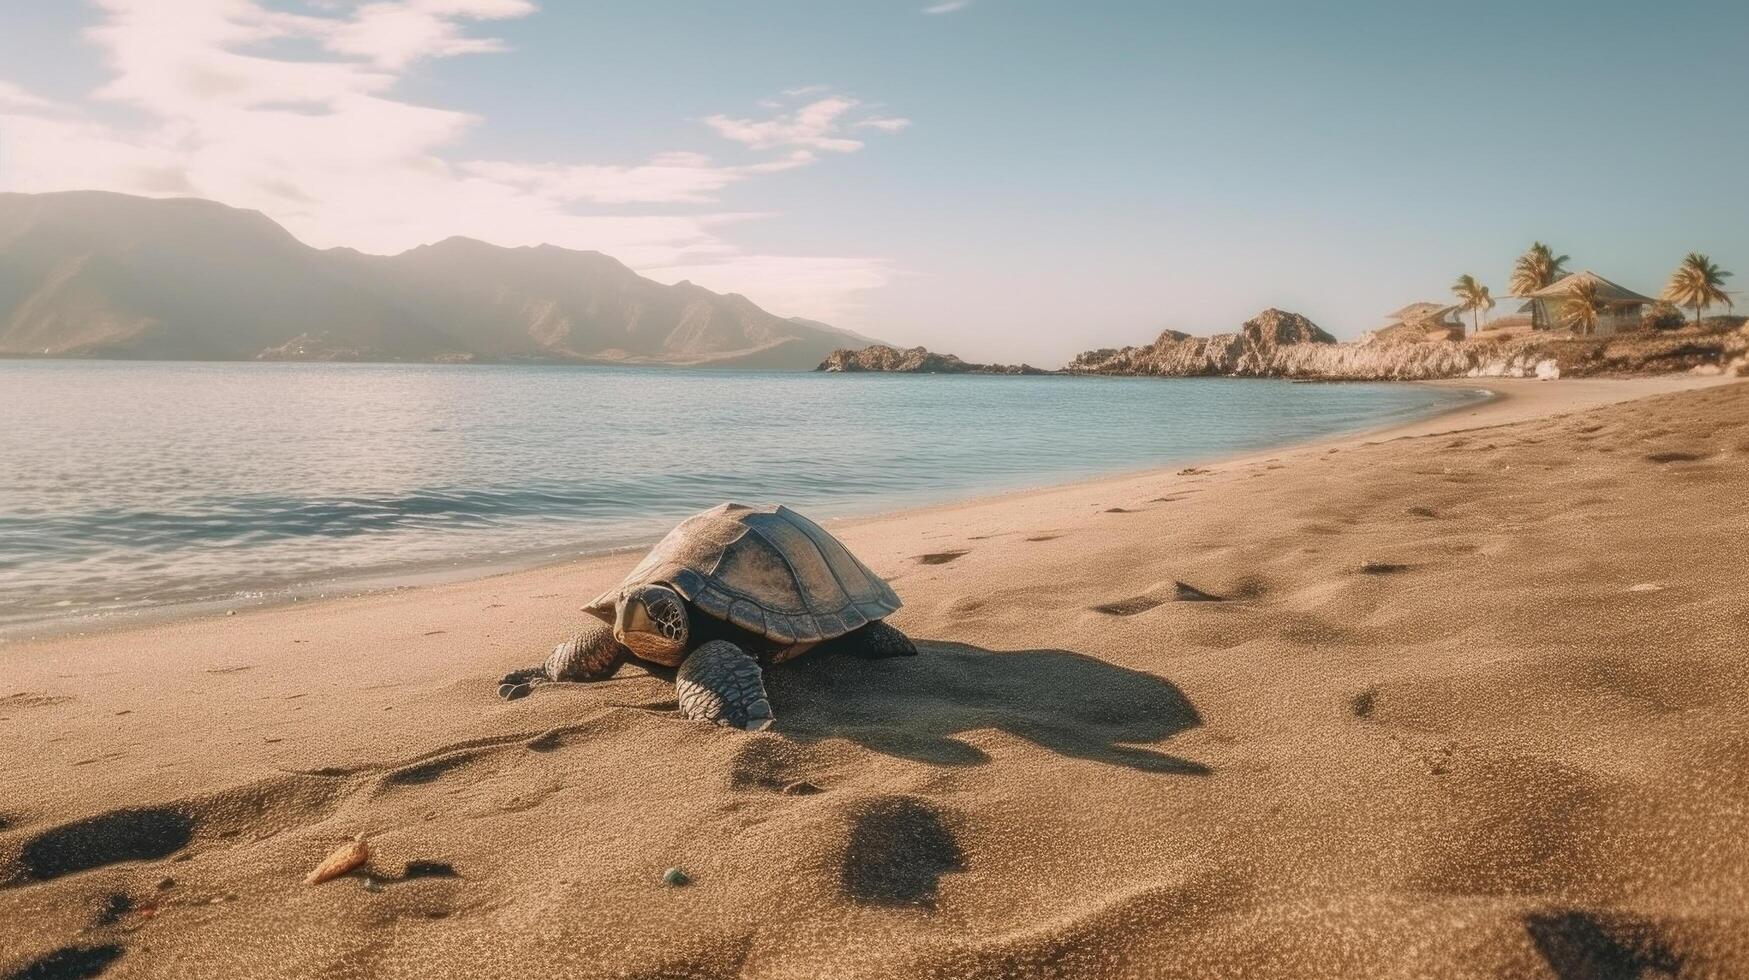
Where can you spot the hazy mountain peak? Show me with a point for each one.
(96, 274)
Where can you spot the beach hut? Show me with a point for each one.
(1622, 306)
(1432, 314)
(1420, 320)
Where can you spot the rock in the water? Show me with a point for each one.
(916, 360)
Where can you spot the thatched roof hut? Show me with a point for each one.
(1621, 306)
(1423, 321)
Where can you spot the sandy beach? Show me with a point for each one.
(1470, 702)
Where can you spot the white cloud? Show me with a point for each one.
(294, 115)
(395, 34)
(818, 125)
(886, 124)
(947, 6)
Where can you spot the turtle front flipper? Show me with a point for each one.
(590, 655)
(720, 683)
(520, 683)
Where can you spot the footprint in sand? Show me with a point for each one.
(1181, 592)
(1362, 704)
(1129, 607)
(551, 741)
(1190, 593)
(775, 765)
(940, 557)
(1577, 943)
(133, 834)
(115, 906)
(430, 771)
(33, 699)
(427, 869)
(898, 850)
(69, 963)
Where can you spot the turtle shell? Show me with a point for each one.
(770, 571)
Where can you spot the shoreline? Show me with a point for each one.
(1492, 406)
(1500, 401)
(487, 564)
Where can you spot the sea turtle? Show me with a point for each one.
(726, 591)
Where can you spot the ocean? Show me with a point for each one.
(128, 487)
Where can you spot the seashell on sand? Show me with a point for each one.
(348, 856)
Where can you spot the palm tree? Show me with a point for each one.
(1698, 283)
(1473, 298)
(1536, 268)
(1581, 309)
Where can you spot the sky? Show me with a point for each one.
(1002, 179)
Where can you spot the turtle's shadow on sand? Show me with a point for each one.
(913, 707)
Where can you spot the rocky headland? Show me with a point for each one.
(1279, 344)
(914, 360)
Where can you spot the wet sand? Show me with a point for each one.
(1466, 698)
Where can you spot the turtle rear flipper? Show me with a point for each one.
(590, 655)
(877, 641)
(721, 684)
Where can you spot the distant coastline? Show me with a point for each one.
(1279, 344)
(93, 275)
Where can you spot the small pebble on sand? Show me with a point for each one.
(675, 877)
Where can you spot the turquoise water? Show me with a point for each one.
(127, 486)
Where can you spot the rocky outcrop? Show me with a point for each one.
(1285, 345)
(1257, 350)
(915, 360)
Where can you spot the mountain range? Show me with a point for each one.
(95, 274)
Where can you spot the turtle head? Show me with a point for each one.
(652, 623)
